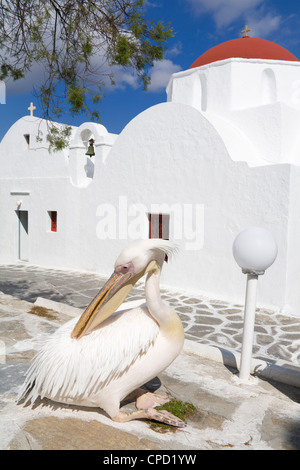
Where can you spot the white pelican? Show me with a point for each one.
(100, 358)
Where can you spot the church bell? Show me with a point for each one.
(91, 151)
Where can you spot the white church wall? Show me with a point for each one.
(238, 143)
(23, 156)
(238, 84)
(292, 303)
(40, 181)
(268, 87)
(258, 99)
(287, 76)
(34, 198)
(273, 129)
(169, 159)
(170, 155)
(211, 164)
(204, 88)
(82, 166)
(257, 82)
(33, 183)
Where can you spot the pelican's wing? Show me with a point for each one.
(67, 368)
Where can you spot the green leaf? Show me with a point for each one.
(76, 98)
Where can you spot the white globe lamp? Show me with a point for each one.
(254, 250)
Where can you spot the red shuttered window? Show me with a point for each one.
(159, 226)
(53, 221)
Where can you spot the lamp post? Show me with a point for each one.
(254, 250)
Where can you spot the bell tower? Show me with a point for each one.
(88, 151)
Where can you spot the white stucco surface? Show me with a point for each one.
(221, 155)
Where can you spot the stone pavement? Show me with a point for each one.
(207, 321)
(229, 415)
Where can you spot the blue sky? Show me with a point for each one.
(198, 25)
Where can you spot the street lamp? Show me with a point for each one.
(254, 250)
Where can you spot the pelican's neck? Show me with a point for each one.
(158, 310)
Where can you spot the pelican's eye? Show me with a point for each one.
(125, 268)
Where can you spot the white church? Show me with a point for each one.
(221, 155)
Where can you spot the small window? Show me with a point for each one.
(27, 140)
(53, 220)
(159, 225)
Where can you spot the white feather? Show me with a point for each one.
(67, 368)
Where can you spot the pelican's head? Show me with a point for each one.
(134, 261)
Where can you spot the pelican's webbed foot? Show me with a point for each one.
(151, 413)
(147, 400)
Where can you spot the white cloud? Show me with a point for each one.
(263, 26)
(262, 19)
(224, 11)
(32, 79)
(175, 50)
(122, 77)
(161, 74)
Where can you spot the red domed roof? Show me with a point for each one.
(246, 48)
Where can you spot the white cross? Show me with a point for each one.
(31, 108)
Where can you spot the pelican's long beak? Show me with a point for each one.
(107, 301)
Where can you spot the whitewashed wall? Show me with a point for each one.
(213, 166)
(178, 157)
